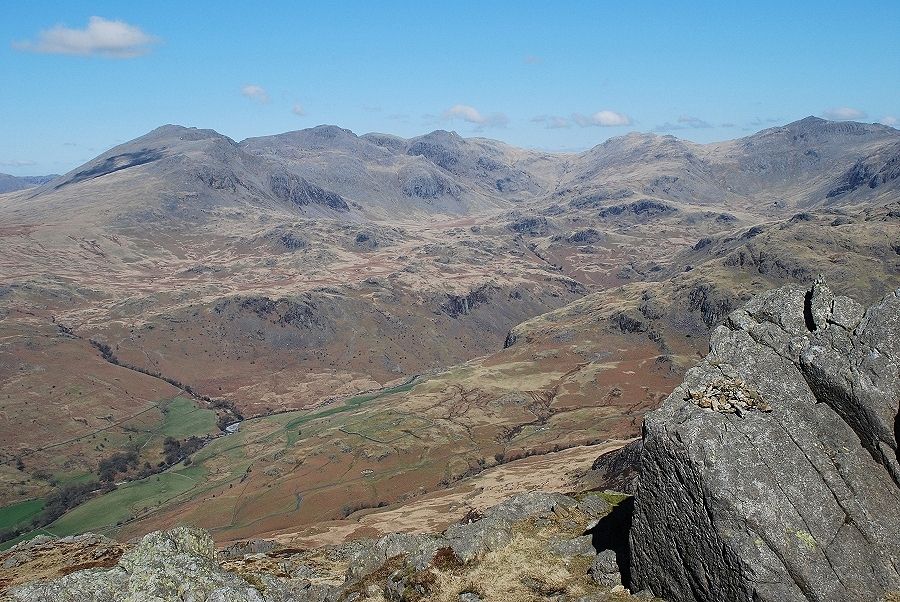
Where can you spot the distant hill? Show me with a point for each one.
(10, 183)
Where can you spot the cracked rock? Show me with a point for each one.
(798, 504)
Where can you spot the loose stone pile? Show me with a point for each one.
(731, 396)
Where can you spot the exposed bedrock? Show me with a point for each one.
(799, 503)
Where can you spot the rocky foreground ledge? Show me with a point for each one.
(535, 546)
(800, 501)
(772, 474)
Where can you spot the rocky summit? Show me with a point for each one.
(800, 503)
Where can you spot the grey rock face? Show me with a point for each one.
(495, 530)
(253, 546)
(289, 187)
(418, 549)
(798, 504)
(576, 546)
(618, 468)
(605, 569)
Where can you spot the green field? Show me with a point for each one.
(102, 514)
(24, 537)
(19, 514)
(182, 419)
(122, 504)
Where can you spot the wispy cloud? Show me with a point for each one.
(889, 120)
(472, 115)
(298, 110)
(533, 60)
(552, 122)
(101, 37)
(758, 122)
(254, 92)
(843, 113)
(693, 122)
(605, 118)
(684, 122)
(17, 163)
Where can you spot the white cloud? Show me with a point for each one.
(603, 118)
(101, 37)
(254, 92)
(17, 163)
(889, 120)
(473, 115)
(843, 113)
(298, 110)
(552, 122)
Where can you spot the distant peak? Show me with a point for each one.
(169, 128)
(183, 133)
(331, 131)
(632, 138)
(827, 127)
(442, 134)
(811, 119)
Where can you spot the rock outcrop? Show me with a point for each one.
(534, 546)
(173, 565)
(800, 501)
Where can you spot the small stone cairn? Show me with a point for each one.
(728, 396)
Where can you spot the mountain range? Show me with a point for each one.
(387, 318)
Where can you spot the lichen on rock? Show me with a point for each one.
(179, 564)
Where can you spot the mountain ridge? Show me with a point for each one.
(443, 173)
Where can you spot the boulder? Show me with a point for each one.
(605, 569)
(793, 497)
(418, 550)
(495, 529)
(179, 564)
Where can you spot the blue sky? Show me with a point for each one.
(550, 75)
